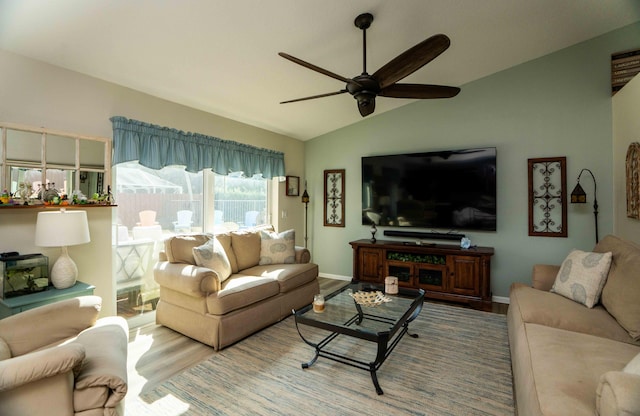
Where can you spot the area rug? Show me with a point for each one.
(459, 365)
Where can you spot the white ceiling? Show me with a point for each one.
(220, 56)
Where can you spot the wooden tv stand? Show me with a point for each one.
(445, 272)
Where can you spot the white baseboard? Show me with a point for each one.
(500, 299)
(497, 299)
(335, 276)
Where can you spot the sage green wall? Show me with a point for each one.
(557, 105)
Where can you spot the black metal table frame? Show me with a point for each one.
(384, 347)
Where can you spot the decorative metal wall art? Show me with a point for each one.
(548, 197)
(334, 198)
(633, 180)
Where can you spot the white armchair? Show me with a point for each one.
(60, 359)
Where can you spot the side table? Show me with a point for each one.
(12, 306)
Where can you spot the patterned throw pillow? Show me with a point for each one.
(212, 256)
(277, 248)
(582, 276)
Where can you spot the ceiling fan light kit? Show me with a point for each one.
(365, 88)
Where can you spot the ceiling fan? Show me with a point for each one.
(384, 82)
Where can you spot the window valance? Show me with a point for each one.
(156, 147)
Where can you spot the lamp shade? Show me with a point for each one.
(62, 228)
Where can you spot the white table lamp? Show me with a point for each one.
(61, 229)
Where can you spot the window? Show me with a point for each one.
(36, 160)
(155, 204)
(239, 202)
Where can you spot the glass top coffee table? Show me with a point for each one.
(384, 324)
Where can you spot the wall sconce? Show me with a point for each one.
(305, 201)
(61, 229)
(579, 196)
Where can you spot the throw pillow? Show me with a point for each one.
(277, 248)
(5, 351)
(225, 240)
(246, 246)
(582, 276)
(212, 256)
(633, 366)
(622, 290)
(179, 248)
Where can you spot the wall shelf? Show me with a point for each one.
(45, 207)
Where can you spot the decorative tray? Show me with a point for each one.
(370, 298)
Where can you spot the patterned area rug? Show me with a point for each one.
(459, 365)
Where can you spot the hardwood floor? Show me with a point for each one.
(157, 353)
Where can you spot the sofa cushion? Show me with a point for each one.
(288, 276)
(582, 276)
(239, 291)
(277, 248)
(565, 367)
(550, 309)
(246, 246)
(622, 290)
(544, 276)
(212, 256)
(179, 248)
(225, 240)
(5, 351)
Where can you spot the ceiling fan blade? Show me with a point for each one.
(419, 91)
(411, 60)
(367, 107)
(314, 96)
(313, 67)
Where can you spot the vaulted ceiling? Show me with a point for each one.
(221, 56)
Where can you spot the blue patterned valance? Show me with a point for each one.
(156, 147)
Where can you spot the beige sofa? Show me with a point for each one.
(238, 292)
(569, 359)
(60, 359)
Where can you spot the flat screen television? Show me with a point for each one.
(451, 189)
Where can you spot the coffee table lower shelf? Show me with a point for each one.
(386, 340)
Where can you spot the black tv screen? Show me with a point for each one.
(452, 189)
